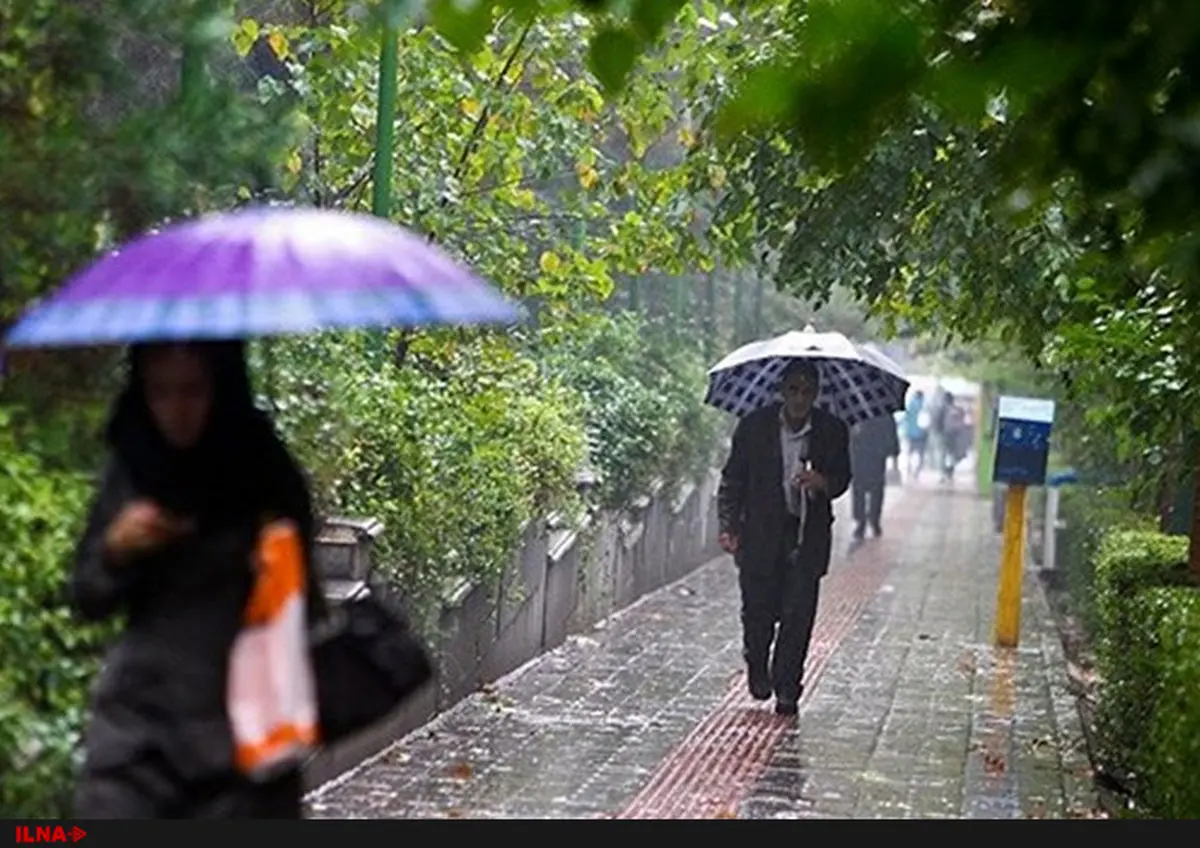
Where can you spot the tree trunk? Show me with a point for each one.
(759, 295)
(1194, 536)
(710, 315)
(739, 282)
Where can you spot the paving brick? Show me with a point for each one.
(908, 710)
(948, 727)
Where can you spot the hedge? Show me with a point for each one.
(1170, 753)
(1089, 514)
(1148, 619)
(50, 658)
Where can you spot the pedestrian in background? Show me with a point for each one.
(916, 433)
(872, 443)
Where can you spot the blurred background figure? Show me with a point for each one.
(936, 435)
(956, 434)
(916, 433)
(872, 443)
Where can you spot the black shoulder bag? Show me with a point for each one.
(367, 662)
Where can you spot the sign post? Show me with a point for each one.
(1022, 449)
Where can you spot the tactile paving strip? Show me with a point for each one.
(710, 772)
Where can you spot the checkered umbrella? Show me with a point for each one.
(856, 382)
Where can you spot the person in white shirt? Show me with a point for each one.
(787, 465)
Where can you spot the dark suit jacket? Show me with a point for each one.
(750, 500)
(872, 444)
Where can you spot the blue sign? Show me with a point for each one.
(1022, 440)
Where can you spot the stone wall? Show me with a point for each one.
(559, 582)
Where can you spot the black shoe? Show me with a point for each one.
(877, 530)
(786, 708)
(859, 532)
(758, 682)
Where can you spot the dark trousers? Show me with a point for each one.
(148, 788)
(867, 501)
(779, 605)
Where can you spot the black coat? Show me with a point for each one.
(161, 693)
(750, 500)
(872, 444)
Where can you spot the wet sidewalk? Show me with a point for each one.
(908, 711)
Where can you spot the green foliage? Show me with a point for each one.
(1130, 360)
(627, 28)
(508, 156)
(1032, 134)
(643, 391)
(94, 149)
(675, 366)
(1090, 514)
(1132, 567)
(1022, 174)
(549, 176)
(70, 102)
(453, 452)
(1098, 96)
(49, 657)
(1171, 748)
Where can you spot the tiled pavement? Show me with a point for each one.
(918, 716)
(908, 711)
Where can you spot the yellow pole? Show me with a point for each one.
(1008, 598)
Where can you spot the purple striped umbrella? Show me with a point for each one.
(262, 271)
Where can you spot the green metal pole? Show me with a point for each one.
(385, 135)
(385, 121)
(681, 317)
(192, 67)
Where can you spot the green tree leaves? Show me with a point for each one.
(611, 56)
(464, 23)
(454, 452)
(991, 171)
(628, 28)
(50, 658)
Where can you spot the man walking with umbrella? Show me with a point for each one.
(789, 461)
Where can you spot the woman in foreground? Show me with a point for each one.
(195, 472)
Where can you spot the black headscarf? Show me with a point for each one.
(238, 472)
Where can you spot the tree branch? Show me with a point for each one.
(485, 115)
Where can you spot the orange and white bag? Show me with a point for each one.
(271, 695)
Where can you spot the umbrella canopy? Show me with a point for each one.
(856, 384)
(262, 271)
